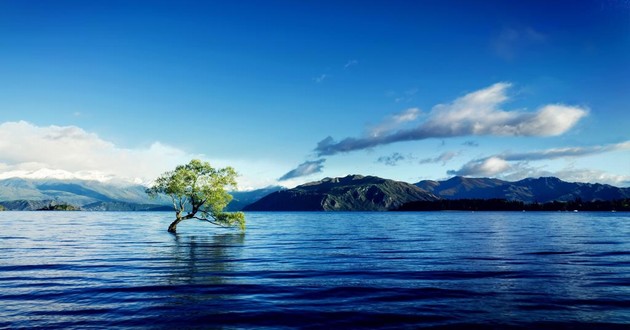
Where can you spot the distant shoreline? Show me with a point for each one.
(506, 205)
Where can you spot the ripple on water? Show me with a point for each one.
(317, 270)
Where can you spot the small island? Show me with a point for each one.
(59, 207)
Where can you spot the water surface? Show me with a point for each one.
(316, 270)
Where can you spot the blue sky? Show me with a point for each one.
(300, 90)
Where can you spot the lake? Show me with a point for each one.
(316, 270)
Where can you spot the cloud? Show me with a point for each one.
(565, 152)
(512, 41)
(391, 160)
(490, 166)
(304, 169)
(515, 166)
(405, 96)
(442, 158)
(470, 144)
(570, 174)
(394, 122)
(473, 114)
(319, 79)
(522, 170)
(351, 63)
(589, 175)
(27, 150)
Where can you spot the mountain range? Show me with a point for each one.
(350, 193)
(530, 190)
(34, 194)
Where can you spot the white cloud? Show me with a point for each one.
(442, 158)
(319, 79)
(512, 41)
(569, 174)
(394, 122)
(487, 167)
(351, 63)
(589, 175)
(476, 113)
(565, 152)
(27, 150)
(304, 169)
(516, 166)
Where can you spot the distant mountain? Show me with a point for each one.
(350, 193)
(33, 194)
(244, 198)
(530, 190)
(25, 205)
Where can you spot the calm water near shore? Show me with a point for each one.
(316, 270)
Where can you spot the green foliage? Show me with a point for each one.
(198, 191)
(2, 208)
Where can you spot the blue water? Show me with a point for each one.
(316, 270)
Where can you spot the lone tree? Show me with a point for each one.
(198, 191)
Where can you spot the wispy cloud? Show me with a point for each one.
(442, 158)
(476, 113)
(394, 122)
(565, 152)
(320, 79)
(570, 174)
(516, 165)
(470, 144)
(399, 97)
(511, 41)
(351, 63)
(391, 160)
(497, 167)
(585, 175)
(304, 169)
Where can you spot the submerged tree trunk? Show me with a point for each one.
(173, 227)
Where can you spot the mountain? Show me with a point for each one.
(530, 190)
(33, 194)
(244, 198)
(350, 193)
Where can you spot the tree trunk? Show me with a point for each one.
(173, 227)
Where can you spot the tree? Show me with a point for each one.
(198, 191)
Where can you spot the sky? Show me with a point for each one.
(288, 92)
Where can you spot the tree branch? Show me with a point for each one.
(212, 222)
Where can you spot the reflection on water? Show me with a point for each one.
(318, 270)
(204, 259)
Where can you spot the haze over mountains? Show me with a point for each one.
(350, 193)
